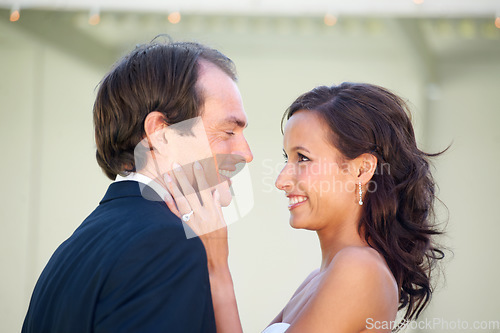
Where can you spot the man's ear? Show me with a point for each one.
(367, 164)
(154, 126)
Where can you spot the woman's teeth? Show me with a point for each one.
(296, 199)
(226, 173)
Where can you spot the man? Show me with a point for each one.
(129, 267)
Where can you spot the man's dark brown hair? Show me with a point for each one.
(159, 76)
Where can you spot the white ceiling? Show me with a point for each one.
(434, 32)
(399, 8)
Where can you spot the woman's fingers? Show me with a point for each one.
(183, 206)
(218, 207)
(203, 187)
(189, 192)
(171, 204)
(208, 215)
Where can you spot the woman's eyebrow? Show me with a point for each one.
(300, 148)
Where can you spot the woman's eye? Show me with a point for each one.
(230, 133)
(303, 158)
(285, 156)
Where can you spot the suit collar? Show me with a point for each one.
(129, 188)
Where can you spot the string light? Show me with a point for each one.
(15, 13)
(330, 19)
(174, 17)
(94, 17)
(418, 2)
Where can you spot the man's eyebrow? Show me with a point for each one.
(236, 121)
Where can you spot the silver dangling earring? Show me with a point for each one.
(360, 194)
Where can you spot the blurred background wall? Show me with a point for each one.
(447, 64)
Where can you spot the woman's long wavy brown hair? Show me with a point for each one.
(398, 218)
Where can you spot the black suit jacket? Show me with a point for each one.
(127, 268)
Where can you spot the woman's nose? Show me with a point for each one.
(284, 181)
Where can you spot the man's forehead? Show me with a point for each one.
(222, 105)
(207, 69)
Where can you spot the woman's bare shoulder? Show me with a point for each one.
(363, 261)
(358, 255)
(356, 286)
(366, 269)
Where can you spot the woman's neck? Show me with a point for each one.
(332, 240)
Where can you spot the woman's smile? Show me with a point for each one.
(295, 200)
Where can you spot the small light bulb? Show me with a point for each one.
(94, 16)
(497, 22)
(330, 19)
(15, 13)
(14, 16)
(174, 17)
(94, 19)
(418, 2)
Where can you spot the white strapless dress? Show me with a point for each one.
(277, 328)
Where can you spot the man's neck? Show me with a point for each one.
(156, 184)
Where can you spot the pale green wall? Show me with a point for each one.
(51, 180)
(468, 113)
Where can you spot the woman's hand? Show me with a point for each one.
(208, 223)
(206, 219)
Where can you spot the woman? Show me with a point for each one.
(354, 175)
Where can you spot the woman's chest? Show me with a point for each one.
(299, 301)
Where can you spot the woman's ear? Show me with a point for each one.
(367, 164)
(154, 126)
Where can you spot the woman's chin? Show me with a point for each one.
(301, 222)
(294, 223)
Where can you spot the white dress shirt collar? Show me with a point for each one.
(142, 179)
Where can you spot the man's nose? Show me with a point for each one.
(244, 151)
